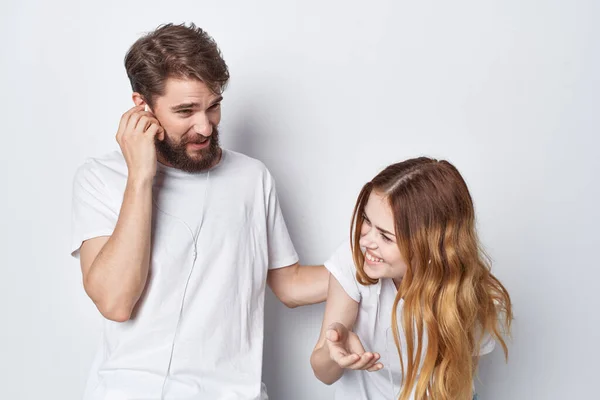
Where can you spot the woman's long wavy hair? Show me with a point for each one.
(448, 290)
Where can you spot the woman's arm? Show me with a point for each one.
(338, 347)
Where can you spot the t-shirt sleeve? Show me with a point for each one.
(341, 266)
(93, 214)
(487, 344)
(281, 249)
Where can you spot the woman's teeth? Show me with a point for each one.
(372, 259)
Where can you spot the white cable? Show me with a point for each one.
(195, 249)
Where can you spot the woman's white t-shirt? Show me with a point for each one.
(373, 327)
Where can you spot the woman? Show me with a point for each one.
(413, 288)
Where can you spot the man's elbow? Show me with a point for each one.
(284, 285)
(288, 301)
(292, 304)
(114, 311)
(111, 309)
(116, 314)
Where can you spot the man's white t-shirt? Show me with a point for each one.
(197, 331)
(373, 326)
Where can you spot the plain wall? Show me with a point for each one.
(326, 94)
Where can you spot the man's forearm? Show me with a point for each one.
(118, 275)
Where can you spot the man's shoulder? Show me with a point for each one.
(102, 169)
(237, 158)
(248, 165)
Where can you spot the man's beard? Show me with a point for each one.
(176, 153)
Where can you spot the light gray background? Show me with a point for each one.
(326, 94)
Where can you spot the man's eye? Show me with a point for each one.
(184, 112)
(215, 106)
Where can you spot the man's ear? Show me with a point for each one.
(138, 100)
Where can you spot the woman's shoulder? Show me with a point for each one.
(341, 265)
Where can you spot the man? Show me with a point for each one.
(177, 237)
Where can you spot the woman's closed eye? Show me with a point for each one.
(366, 219)
(385, 238)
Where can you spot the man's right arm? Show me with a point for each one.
(115, 268)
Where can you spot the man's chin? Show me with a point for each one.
(200, 155)
(205, 158)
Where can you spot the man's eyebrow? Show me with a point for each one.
(185, 106)
(217, 100)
